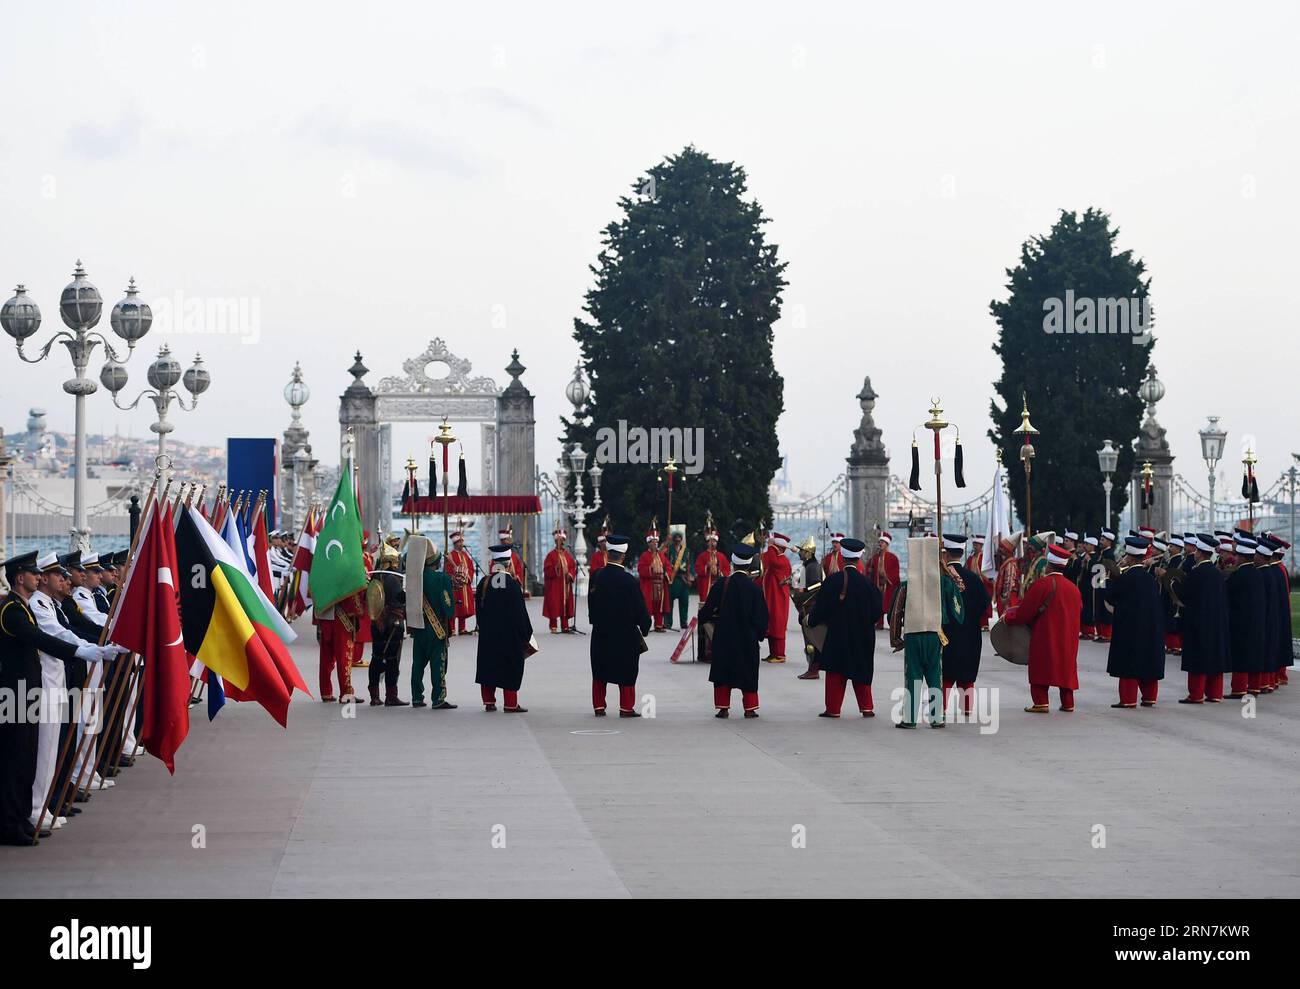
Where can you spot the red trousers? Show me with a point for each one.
(776, 645)
(1282, 677)
(1041, 694)
(1087, 631)
(626, 695)
(564, 623)
(1129, 686)
(489, 695)
(460, 625)
(1103, 633)
(1243, 683)
(722, 697)
(1201, 686)
(836, 683)
(337, 653)
(1173, 641)
(967, 693)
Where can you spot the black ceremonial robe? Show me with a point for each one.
(736, 607)
(503, 631)
(1245, 619)
(1205, 620)
(619, 621)
(850, 624)
(1281, 589)
(961, 656)
(1137, 645)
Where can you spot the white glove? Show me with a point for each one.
(89, 653)
(113, 650)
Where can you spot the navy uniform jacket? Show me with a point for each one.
(1205, 620)
(1167, 597)
(735, 604)
(20, 672)
(619, 622)
(850, 623)
(1083, 581)
(961, 656)
(1137, 645)
(1103, 613)
(1245, 619)
(504, 630)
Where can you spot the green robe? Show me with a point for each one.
(430, 646)
(923, 656)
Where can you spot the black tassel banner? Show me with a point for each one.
(957, 463)
(1254, 490)
(914, 480)
(462, 485)
(433, 476)
(1245, 486)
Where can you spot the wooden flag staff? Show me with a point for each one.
(112, 611)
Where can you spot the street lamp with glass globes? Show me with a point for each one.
(1108, 461)
(163, 374)
(80, 306)
(577, 507)
(1212, 443)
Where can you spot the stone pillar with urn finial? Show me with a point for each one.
(868, 473)
(357, 413)
(516, 457)
(1153, 448)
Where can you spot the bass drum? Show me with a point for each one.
(1011, 642)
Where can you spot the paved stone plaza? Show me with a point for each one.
(1195, 801)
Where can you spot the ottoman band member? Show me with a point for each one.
(620, 622)
(848, 604)
(1137, 645)
(737, 614)
(1051, 609)
(430, 610)
(387, 603)
(505, 633)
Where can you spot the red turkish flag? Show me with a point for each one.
(148, 622)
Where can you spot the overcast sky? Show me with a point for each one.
(375, 175)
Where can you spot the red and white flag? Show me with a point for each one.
(300, 598)
(262, 556)
(148, 622)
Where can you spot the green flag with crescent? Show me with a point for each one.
(338, 569)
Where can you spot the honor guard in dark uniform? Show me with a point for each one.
(1137, 645)
(1105, 553)
(1204, 623)
(737, 611)
(961, 656)
(505, 633)
(21, 639)
(1089, 570)
(620, 621)
(849, 604)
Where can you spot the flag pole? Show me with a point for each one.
(72, 733)
(124, 676)
(445, 439)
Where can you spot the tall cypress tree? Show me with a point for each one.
(679, 334)
(1082, 387)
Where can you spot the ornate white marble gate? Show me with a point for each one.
(507, 456)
